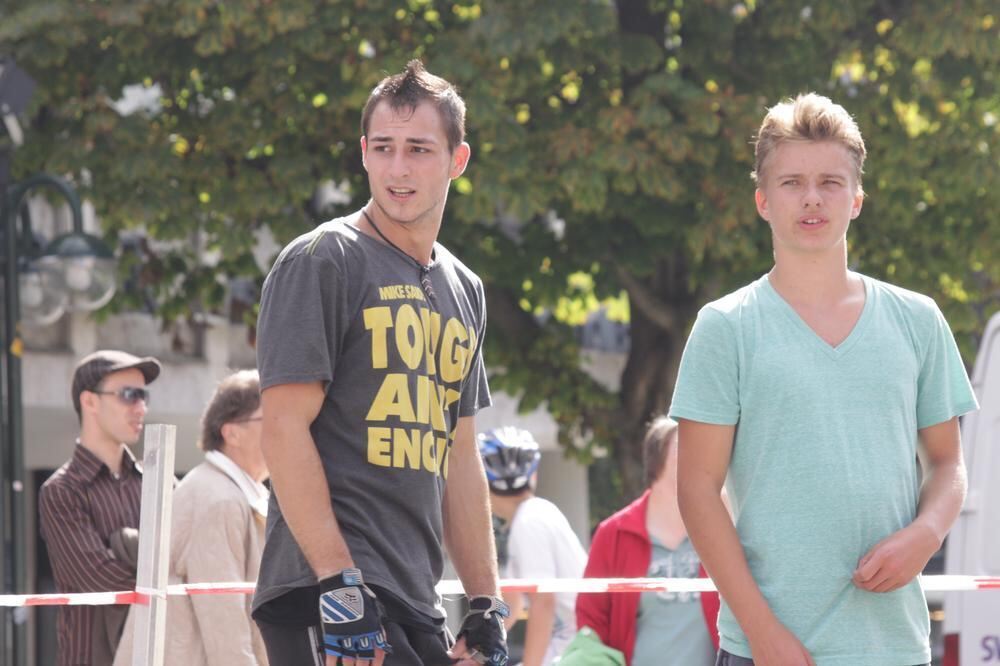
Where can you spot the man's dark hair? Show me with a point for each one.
(406, 90)
(236, 397)
(91, 370)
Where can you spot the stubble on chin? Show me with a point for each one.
(134, 439)
(427, 215)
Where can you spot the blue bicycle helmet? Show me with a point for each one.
(510, 456)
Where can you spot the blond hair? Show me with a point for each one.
(808, 117)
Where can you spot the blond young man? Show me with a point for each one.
(815, 389)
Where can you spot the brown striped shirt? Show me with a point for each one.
(80, 506)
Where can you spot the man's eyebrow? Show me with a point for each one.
(838, 176)
(416, 140)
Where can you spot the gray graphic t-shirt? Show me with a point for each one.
(400, 369)
(671, 626)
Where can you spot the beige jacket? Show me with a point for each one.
(216, 537)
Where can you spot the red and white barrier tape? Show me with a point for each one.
(451, 587)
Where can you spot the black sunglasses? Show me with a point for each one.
(129, 394)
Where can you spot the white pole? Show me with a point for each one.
(154, 543)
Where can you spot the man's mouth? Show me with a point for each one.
(810, 221)
(401, 191)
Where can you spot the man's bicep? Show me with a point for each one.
(704, 451)
(941, 443)
(465, 434)
(292, 403)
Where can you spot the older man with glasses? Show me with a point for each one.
(217, 535)
(89, 508)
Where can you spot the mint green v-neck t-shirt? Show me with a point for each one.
(824, 461)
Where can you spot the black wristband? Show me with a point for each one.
(484, 631)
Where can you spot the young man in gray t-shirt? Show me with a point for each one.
(370, 356)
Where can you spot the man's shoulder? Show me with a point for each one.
(464, 274)
(206, 485)
(537, 513)
(725, 315)
(62, 494)
(730, 305)
(334, 240)
(62, 479)
(910, 301)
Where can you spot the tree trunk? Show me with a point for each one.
(647, 385)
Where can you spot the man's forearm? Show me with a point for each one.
(538, 633)
(714, 536)
(468, 531)
(941, 498)
(300, 485)
(515, 603)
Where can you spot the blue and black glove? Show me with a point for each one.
(483, 630)
(351, 617)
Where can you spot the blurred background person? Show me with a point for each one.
(217, 535)
(89, 508)
(540, 542)
(648, 539)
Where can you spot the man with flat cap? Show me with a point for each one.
(89, 508)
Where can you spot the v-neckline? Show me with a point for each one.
(847, 343)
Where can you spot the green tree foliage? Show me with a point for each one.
(611, 146)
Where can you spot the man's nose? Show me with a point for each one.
(400, 166)
(811, 197)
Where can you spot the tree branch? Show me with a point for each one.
(655, 309)
(509, 317)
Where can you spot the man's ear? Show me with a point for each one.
(229, 434)
(364, 152)
(859, 200)
(88, 401)
(761, 200)
(460, 159)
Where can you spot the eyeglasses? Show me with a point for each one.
(130, 395)
(248, 419)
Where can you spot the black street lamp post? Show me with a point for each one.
(74, 272)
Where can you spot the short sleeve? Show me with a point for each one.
(303, 317)
(943, 388)
(707, 388)
(476, 390)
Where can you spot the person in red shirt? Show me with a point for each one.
(648, 538)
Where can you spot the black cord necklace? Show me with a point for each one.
(425, 270)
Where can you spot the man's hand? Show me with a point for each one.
(482, 638)
(352, 621)
(777, 646)
(896, 560)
